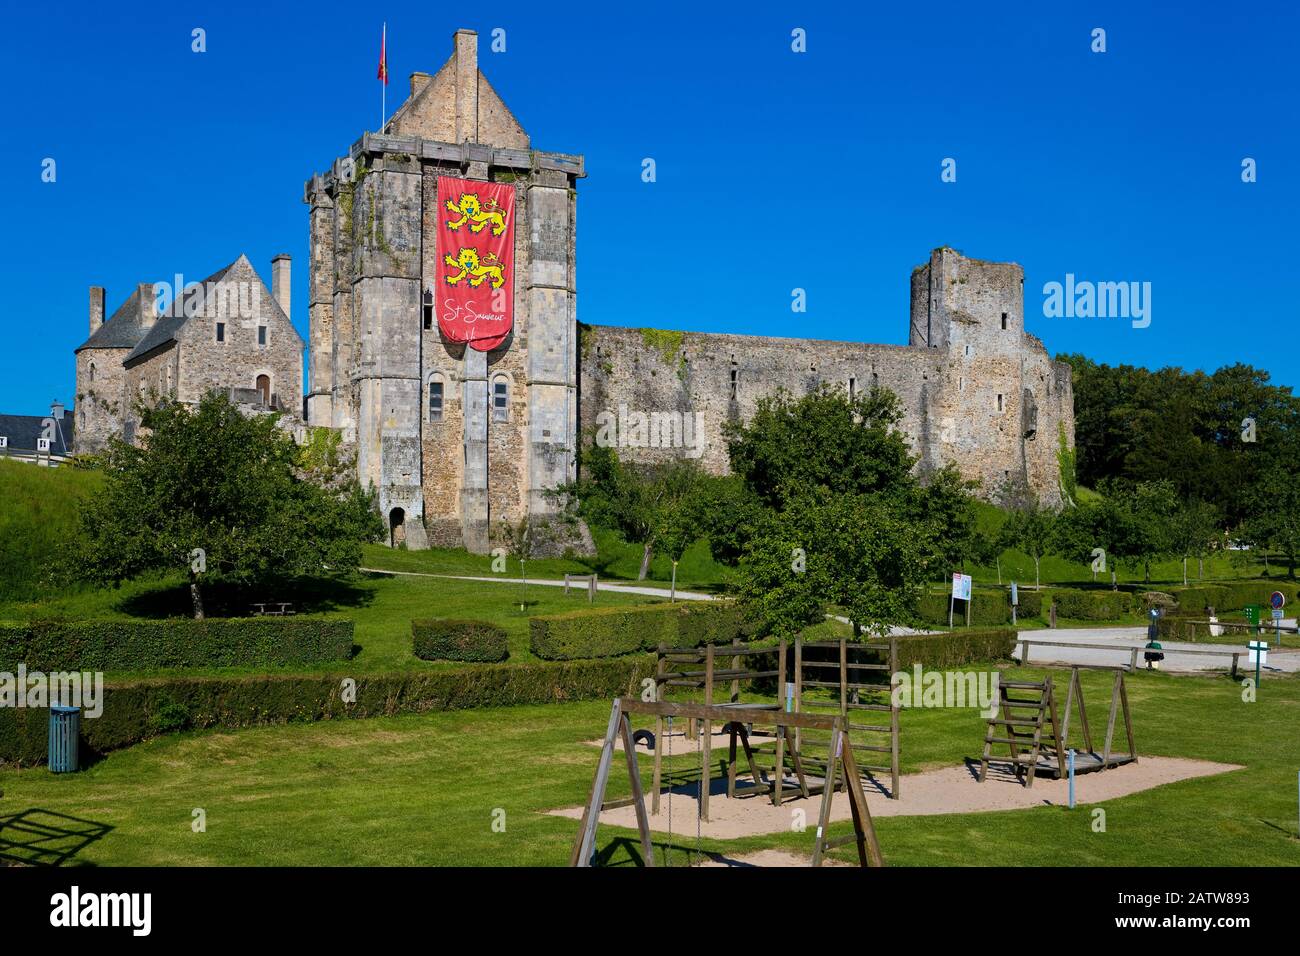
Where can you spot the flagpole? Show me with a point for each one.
(383, 87)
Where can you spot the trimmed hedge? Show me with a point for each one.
(174, 642)
(956, 647)
(611, 631)
(446, 640)
(137, 710)
(990, 607)
(1098, 605)
(1233, 595)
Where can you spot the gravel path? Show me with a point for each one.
(1123, 639)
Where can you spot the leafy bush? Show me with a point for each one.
(136, 710)
(175, 642)
(609, 632)
(990, 607)
(438, 640)
(1233, 595)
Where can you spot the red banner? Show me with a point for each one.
(474, 291)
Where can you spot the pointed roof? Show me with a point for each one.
(168, 325)
(458, 104)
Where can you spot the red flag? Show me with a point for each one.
(475, 274)
(383, 57)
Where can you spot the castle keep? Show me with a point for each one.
(456, 439)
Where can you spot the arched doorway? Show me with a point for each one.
(397, 527)
(264, 388)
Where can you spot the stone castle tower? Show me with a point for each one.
(451, 437)
(457, 440)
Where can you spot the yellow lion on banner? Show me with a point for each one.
(470, 211)
(467, 261)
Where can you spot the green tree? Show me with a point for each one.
(790, 447)
(828, 551)
(208, 478)
(1032, 529)
(517, 539)
(1192, 530)
(632, 499)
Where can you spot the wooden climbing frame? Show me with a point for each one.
(842, 768)
(843, 667)
(1028, 723)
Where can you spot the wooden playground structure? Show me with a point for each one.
(842, 771)
(809, 738)
(798, 756)
(1027, 722)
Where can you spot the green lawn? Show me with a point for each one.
(422, 790)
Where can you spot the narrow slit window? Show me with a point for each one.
(735, 383)
(428, 311)
(221, 331)
(261, 335)
(1000, 402)
(501, 400)
(435, 401)
(1004, 321)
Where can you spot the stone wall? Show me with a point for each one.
(101, 407)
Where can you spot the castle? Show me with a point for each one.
(445, 345)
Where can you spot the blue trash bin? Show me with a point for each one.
(65, 727)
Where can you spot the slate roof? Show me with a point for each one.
(23, 430)
(167, 325)
(122, 331)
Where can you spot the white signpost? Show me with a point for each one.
(961, 590)
(1258, 657)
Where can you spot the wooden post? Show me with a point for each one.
(828, 791)
(798, 689)
(1051, 615)
(1110, 722)
(1024, 653)
(706, 744)
(1133, 661)
(893, 717)
(638, 798)
(660, 688)
(585, 846)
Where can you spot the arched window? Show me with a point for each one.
(428, 311)
(263, 386)
(501, 399)
(437, 397)
(92, 371)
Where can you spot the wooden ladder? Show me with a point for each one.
(1026, 735)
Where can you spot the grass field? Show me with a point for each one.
(423, 790)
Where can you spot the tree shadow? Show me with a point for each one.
(39, 837)
(231, 599)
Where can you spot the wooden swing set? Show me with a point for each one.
(1027, 722)
(799, 726)
(842, 770)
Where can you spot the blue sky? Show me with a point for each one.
(775, 170)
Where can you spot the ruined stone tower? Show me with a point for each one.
(453, 439)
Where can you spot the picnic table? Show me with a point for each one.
(282, 608)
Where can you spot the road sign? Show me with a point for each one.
(1277, 601)
(961, 586)
(1015, 595)
(1277, 614)
(1259, 652)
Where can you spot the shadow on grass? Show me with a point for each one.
(229, 599)
(38, 837)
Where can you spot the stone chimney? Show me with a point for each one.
(56, 410)
(96, 308)
(466, 86)
(280, 281)
(148, 304)
(418, 82)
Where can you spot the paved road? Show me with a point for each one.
(550, 582)
(1124, 638)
